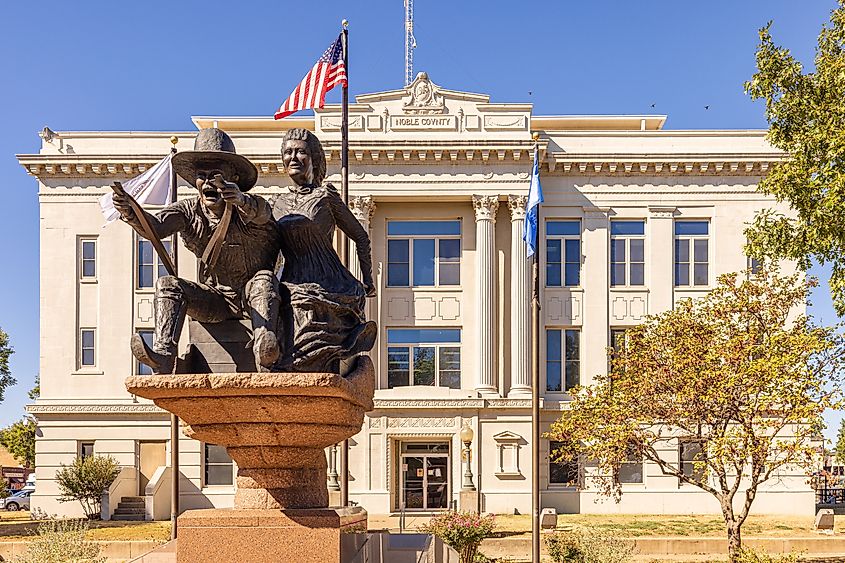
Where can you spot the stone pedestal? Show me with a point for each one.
(282, 536)
(468, 501)
(274, 425)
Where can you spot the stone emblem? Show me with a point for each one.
(424, 96)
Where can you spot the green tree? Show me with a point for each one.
(85, 480)
(839, 448)
(6, 379)
(35, 392)
(806, 115)
(19, 440)
(736, 371)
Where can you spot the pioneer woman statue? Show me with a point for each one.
(323, 318)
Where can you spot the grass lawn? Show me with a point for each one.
(666, 525)
(16, 526)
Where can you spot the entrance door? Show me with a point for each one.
(151, 457)
(425, 477)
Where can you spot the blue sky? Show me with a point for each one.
(105, 65)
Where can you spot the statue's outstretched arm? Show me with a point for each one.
(169, 220)
(347, 223)
(255, 209)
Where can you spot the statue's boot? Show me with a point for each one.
(264, 305)
(159, 363)
(361, 339)
(170, 316)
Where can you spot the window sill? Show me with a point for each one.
(696, 288)
(145, 290)
(91, 371)
(508, 474)
(575, 288)
(558, 488)
(218, 489)
(629, 288)
(88, 280)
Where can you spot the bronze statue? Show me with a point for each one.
(234, 236)
(322, 317)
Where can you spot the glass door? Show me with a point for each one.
(425, 477)
(413, 482)
(437, 482)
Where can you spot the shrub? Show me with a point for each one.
(589, 546)
(85, 480)
(61, 541)
(462, 531)
(748, 555)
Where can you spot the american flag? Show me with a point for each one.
(327, 72)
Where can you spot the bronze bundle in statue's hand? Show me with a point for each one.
(121, 202)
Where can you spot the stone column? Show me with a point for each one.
(485, 291)
(520, 337)
(362, 207)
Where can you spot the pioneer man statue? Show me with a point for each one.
(234, 236)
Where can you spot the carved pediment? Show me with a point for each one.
(507, 437)
(425, 97)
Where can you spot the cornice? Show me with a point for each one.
(132, 408)
(513, 152)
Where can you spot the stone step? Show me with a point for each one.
(131, 503)
(132, 499)
(131, 510)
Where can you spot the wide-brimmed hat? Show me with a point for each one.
(211, 147)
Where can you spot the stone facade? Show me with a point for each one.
(460, 161)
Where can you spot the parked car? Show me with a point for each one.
(18, 501)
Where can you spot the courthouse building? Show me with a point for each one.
(635, 218)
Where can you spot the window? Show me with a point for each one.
(754, 266)
(618, 341)
(423, 253)
(150, 266)
(692, 253)
(86, 449)
(144, 369)
(563, 354)
(692, 455)
(87, 345)
(424, 357)
(631, 470)
(563, 253)
(562, 473)
(627, 253)
(219, 469)
(88, 258)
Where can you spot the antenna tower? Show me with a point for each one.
(410, 42)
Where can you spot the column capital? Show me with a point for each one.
(485, 207)
(362, 207)
(516, 204)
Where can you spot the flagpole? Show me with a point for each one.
(174, 420)
(535, 390)
(344, 242)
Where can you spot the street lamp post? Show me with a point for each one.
(466, 437)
